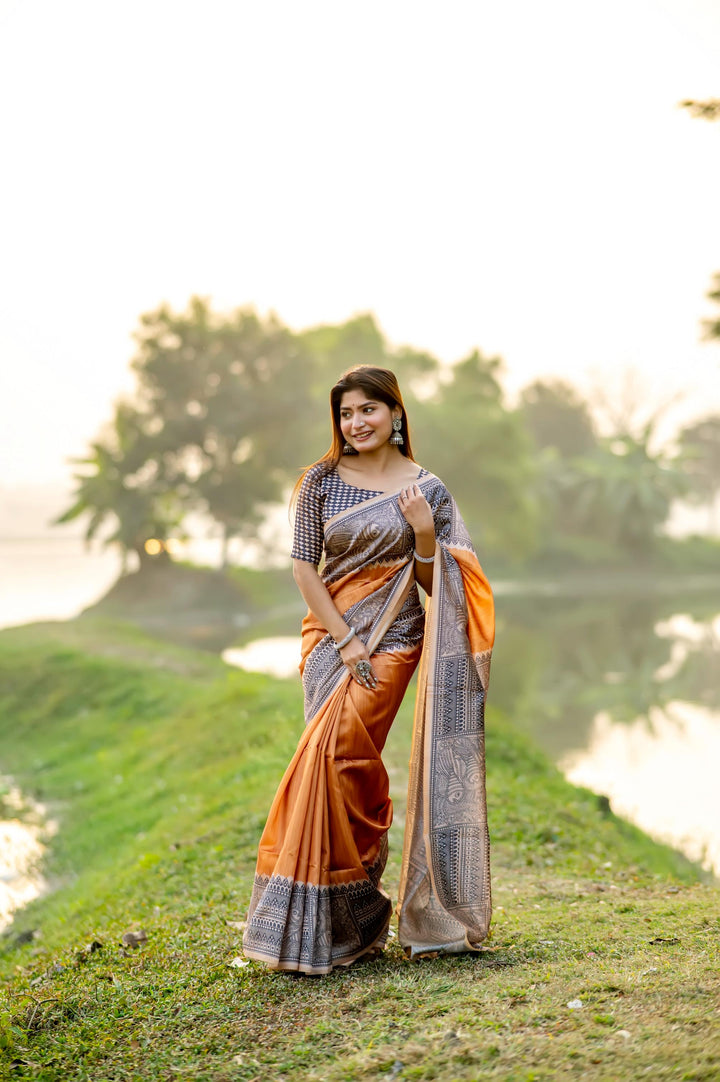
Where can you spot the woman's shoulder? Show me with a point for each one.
(432, 482)
(316, 474)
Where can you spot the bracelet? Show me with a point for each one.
(424, 559)
(346, 640)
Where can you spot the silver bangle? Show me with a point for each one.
(346, 640)
(424, 559)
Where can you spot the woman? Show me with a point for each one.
(383, 525)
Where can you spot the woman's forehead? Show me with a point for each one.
(356, 398)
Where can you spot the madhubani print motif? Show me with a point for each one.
(324, 668)
(323, 496)
(376, 534)
(459, 856)
(459, 714)
(378, 530)
(308, 928)
(459, 843)
(445, 891)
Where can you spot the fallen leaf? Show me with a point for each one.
(624, 1033)
(134, 939)
(575, 1004)
(239, 963)
(241, 925)
(661, 939)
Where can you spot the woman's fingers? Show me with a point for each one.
(363, 674)
(415, 508)
(358, 664)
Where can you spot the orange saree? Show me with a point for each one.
(317, 901)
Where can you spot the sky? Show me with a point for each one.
(514, 176)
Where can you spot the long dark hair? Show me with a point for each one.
(379, 384)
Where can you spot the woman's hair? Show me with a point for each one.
(380, 385)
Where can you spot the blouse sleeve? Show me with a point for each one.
(308, 536)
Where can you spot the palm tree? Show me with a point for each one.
(119, 487)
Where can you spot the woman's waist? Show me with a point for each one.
(368, 603)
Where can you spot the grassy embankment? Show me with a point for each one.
(159, 765)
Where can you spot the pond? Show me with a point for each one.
(24, 831)
(623, 692)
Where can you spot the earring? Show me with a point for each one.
(348, 450)
(397, 436)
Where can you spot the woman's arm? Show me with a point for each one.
(317, 597)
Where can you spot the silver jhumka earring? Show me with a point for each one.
(349, 450)
(397, 436)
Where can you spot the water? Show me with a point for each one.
(24, 832)
(277, 656)
(51, 579)
(622, 692)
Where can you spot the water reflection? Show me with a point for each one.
(22, 845)
(278, 656)
(660, 772)
(623, 692)
(560, 662)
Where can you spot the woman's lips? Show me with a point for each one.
(362, 436)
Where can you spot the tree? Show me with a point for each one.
(337, 347)
(708, 110)
(228, 402)
(700, 446)
(119, 486)
(556, 416)
(465, 433)
(616, 498)
(219, 425)
(704, 110)
(711, 327)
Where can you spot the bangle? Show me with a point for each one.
(346, 640)
(424, 559)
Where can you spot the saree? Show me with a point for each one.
(317, 900)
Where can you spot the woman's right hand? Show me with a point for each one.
(351, 654)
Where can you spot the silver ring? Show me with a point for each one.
(363, 669)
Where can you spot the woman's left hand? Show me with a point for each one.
(416, 510)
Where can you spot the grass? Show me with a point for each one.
(160, 764)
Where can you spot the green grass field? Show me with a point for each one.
(159, 765)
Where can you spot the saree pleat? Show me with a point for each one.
(317, 901)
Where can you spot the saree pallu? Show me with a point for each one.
(317, 901)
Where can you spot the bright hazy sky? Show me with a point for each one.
(510, 175)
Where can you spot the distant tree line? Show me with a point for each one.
(229, 407)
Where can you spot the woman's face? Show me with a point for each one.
(365, 422)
